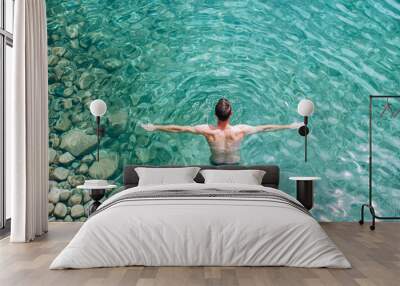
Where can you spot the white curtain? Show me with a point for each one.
(27, 124)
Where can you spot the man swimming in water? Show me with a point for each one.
(224, 139)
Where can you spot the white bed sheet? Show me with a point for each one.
(200, 231)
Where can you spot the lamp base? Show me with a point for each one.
(304, 130)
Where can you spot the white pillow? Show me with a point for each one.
(166, 176)
(248, 177)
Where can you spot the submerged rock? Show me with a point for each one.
(52, 155)
(54, 140)
(67, 103)
(89, 158)
(81, 117)
(58, 72)
(72, 31)
(50, 208)
(86, 80)
(87, 208)
(85, 42)
(53, 60)
(59, 174)
(64, 185)
(64, 195)
(63, 123)
(106, 167)
(52, 185)
(58, 51)
(76, 180)
(66, 158)
(75, 165)
(143, 154)
(112, 64)
(68, 218)
(68, 91)
(56, 89)
(78, 142)
(77, 211)
(86, 196)
(118, 122)
(54, 196)
(60, 210)
(83, 169)
(75, 199)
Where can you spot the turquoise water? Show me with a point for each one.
(169, 62)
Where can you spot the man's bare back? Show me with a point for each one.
(224, 140)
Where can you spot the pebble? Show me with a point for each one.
(72, 31)
(54, 196)
(63, 123)
(54, 140)
(60, 174)
(51, 208)
(75, 199)
(53, 60)
(52, 155)
(83, 169)
(60, 210)
(88, 158)
(64, 195)
(105, 167)
(58, 51)
(112, 64)
(118, 122)
(77, 211)
(86, 80)
(77, 142)
(66, 158)
(68, 91)
(76, 180)
(86, 196)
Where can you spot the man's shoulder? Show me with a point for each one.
(203, 127)
(242, 126)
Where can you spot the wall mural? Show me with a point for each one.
(157, 62)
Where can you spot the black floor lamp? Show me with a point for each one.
(306, 109)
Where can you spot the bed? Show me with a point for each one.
(199, 224)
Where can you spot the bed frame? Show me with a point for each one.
(271, 177)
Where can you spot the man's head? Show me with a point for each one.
(223, 109)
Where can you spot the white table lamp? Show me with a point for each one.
(305, 109)
(98, 108)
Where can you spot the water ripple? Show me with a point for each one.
(174, 60)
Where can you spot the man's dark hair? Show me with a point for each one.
(223, 109)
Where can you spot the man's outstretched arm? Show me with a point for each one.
(198, 129)
(248, 129)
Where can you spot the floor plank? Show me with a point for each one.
(375, 257)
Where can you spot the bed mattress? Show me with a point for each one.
(201, 225)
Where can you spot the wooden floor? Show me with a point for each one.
(375, 257)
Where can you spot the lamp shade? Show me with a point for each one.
(98, 107)
(305, 107)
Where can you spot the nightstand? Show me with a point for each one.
(97, 190)
(304, 190)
